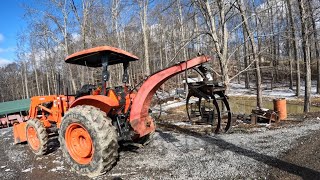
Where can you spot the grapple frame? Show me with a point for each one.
(211, 92)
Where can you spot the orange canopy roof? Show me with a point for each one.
(93, 57)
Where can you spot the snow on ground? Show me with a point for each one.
(59, 168)
(173, 104)
(278, 90)
(235, 89)
(27, 170)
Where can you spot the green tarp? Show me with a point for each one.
(14, 106)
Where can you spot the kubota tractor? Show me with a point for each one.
(100, 117)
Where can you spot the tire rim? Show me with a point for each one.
(79, 143)
(33, 139)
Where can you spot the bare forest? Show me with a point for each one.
(256, 42)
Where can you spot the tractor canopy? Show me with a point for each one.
(93, 57)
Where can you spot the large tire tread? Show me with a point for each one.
(42, 135)
(103, 135)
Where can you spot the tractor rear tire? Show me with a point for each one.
(37, 137)
(88, 140)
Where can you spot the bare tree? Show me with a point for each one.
(254, 52)
(314, 38)
(220, 43)
(306, 54)
(143, 4)
(294, 46)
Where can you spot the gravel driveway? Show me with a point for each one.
(179, 155)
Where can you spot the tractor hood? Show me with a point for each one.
(93, 57)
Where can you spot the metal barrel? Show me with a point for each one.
(280, 106)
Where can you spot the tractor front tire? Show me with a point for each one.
(88, 140)
(37, 137)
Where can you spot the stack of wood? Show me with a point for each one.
(263, 114)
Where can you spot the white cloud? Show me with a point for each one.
(1, 37)
(4, 50)
(4, 62)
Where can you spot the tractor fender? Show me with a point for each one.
(104, 103)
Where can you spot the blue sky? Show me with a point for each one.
(11, 22)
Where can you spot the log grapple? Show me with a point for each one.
(206, 95)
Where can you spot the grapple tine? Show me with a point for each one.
(187, 106)
(215, 103)
(226, 103)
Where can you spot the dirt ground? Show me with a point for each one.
(286, 152)
(302, 161)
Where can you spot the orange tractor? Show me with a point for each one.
(92, 123)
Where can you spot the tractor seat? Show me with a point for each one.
(85, 90)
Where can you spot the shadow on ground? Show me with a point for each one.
(303, 172)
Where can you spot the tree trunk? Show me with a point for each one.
(220, 45)
(254, 53)
(289, 51)
(26, 79)
(115, 15)
(306, 55)
(36, 75)
(274, 49)
(245, 56)
(143, 19)
(315, 42)
(182, 30)
(294, 45)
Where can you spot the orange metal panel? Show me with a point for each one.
(37, 100)
(101, 49)
(105, 103)
(92, 57)
(19, 132)
(60, 105)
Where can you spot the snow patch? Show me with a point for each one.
(57, 162)
(27, 170)
(182, 124)
(122, 174)
(59, 168)
(41, 167)
(278, 91)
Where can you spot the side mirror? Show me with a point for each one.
(125, 76)
(105, 76)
